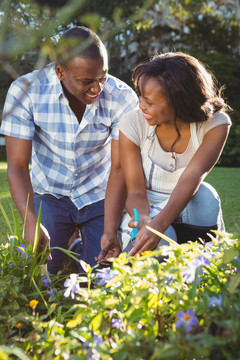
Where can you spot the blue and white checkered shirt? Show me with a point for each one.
(68, 158)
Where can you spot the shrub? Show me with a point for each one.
(180, 302)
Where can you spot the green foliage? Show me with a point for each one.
(130, 311)
(226, 69)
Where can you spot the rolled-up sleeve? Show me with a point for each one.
(17, 118)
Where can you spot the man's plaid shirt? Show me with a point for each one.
(68, 158)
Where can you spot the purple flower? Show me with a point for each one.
(72, 286)
(11, 264)
(189, 274)
(215, 301)
(106, 275)
(46, 281)
(186, 320)
(22, 249)
(116, 323)
(200, 261)
(50, 291)
(170, 280)
(93, 354)
(96, 340)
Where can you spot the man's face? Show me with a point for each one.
(83, 78)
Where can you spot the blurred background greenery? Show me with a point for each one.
(131, 30)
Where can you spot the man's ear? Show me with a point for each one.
(60, 72)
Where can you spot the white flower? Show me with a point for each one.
(72, 286)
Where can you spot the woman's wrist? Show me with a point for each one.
(158, 225)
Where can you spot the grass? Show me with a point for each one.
(7, 203)
(225, 180)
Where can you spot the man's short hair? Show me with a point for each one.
(79, 41)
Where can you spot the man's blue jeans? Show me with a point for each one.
(60, 217)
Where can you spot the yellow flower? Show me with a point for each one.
(33, 303)
(19, 325)
(145, 253)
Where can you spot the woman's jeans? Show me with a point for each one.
(204, 209)
(61, 217)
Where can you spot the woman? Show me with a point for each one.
(168, 146)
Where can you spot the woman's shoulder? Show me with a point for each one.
(134, 126)
(133, 115)
(218, 118)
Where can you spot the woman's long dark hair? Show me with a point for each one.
(190, 87)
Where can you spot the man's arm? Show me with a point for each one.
(18, 157)
(114, 204)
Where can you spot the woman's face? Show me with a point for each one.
(154, 103)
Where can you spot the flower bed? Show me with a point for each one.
(181, 302)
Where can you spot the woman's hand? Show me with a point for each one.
(145, 241)
(143, 220)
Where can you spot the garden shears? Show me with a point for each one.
(134, 232)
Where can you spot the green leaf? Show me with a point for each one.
(12, 240)
(14, 351)
(96, 322)
(25, 218)
(230, 254)
(134, 314)
(138, 296)
(163, 236)
(6, 218)
(168, 351)
(110, 302)
(234, 282)
(75, 322)
(37, 229)
(15, 222)
(39, 292)
(153, 301)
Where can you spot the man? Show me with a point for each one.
(64, 118)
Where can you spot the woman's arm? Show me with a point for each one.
(131, 163)
(202, 162)
(113, 207)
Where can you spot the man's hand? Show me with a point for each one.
(110, 249)
(43, 240)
